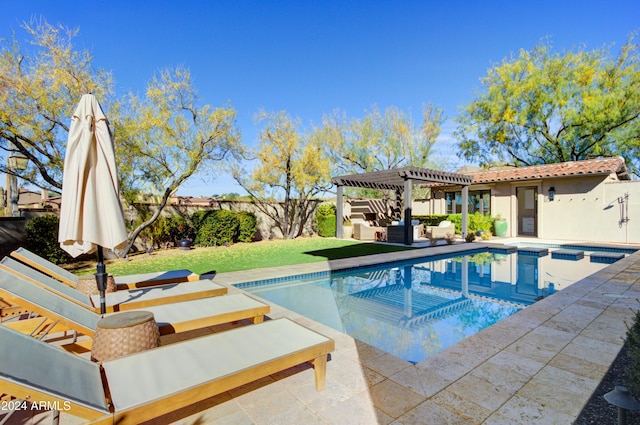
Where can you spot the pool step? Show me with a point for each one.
(606, 257)
(502, 249)
(567, 254)
(538, 252)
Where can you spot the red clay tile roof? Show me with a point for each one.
(598, 166)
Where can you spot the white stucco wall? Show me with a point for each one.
(585, 208)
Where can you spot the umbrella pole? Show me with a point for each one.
(101, 279)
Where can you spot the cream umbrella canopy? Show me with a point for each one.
(91, 215)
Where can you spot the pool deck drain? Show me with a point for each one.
(540, 365)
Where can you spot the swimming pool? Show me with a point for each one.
(413, 309)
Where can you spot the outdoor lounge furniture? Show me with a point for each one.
(365, 232)
(149, 384)
(122, 282)
(171, 318)
(119, 300)
(395, 232)
(444, 230)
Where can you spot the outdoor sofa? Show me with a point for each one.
(444, 230)
(366, 232)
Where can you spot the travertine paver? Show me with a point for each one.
(393, 399)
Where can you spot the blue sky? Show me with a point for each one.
(311, 57)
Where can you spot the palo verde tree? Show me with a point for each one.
(380, 140)
(164, 138)
(40, 87)
(544, 107)
(290, 173)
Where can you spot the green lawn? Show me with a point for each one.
(247, 256)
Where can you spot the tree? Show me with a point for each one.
(290, 169)
(380, 141)
(39, 90)
(545, 107)
(165, 138)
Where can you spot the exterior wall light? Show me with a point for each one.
(552, 193)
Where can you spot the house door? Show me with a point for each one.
(527, 211)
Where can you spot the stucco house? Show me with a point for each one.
(590, 200)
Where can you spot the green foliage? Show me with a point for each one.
(486, 236)
(481, 222)
(42, 239)
(457, 220)
(326, 210)
(544, 107)
(40, 87)
(327, 226)
(326, 220)
(430, 220)
(470, 237)
(247, 229)
(380, 140)
(290, 168)
(167, 231)
(218, 228)
(633, 345)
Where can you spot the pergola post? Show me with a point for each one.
(465, 211)
(339, 213)
(408, 228)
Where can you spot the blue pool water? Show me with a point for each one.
(413, 309)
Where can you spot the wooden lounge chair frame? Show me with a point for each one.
(171, 318)
(132, 299)
(122, 282)
(147, 385)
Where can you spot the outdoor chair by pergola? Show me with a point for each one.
(401, 180)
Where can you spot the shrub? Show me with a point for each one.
(481, 222)
(457, 220)
(470, 237)
(159, 232)
(168, 231)
(247, 228)
(42, 239)
(633, 345)
(486, 236)
(326, 220)
(180, 228)
(220, 227)
(430, 220)
(327, 226)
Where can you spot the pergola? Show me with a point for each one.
(401, 180)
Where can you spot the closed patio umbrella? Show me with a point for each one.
(91, 215)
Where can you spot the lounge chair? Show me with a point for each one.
(444, 230)
(365, 232)
(149, 384)
(171, 318)
(120, 300)
(122, 282)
